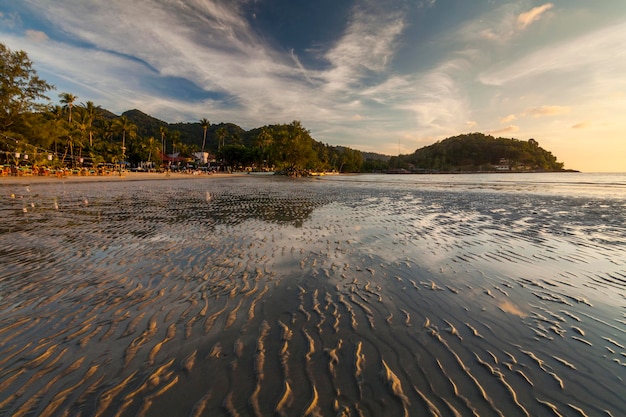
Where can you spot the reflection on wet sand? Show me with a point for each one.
(262, 296)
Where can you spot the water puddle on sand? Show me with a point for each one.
(263, 296)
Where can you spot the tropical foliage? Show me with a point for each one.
(71, 134)
(20, 90)
(479, 152)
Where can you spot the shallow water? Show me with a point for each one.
(363, 295)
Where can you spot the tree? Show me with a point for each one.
(56, 125)
(107, 132)
(221, 136)
(83, 123)
(237, 155)
(205, 125)
(175, 136)
(20, 87)
(124, 125)
(293, 147)
(151, 146)
(68, 100)
(163, 132)
(263, 141)
(90, 115)
(351, 161)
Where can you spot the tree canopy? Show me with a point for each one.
(20, 88)
(479, 152)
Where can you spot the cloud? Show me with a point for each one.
(500, 24)
(471, 124)
(581, 125)
(534, 14)
(508, 129)
(366, 45)
(425, 4)
(434, 98)
(208, 44)
(508, 119)
(595, 55)
(10, 21)
(546, 111)
(36, 35)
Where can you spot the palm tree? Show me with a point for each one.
(205, 126)
(124, 125)
(83, 123)
(91, 113)
(108, 131)
(221, 135)
(68, 100)
(151, 145)
(175, 135)
(163, 131)
(55, 113)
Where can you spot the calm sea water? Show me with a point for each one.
(357, 295)
(573, 184)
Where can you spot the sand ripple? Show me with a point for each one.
(257, 296)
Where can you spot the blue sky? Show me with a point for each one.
(384, 76)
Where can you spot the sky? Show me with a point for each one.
(386, 76)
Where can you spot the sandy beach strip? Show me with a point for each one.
(114, 176)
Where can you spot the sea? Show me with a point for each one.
(340, 295)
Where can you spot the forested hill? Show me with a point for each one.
(479, 152)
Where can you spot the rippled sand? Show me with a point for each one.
(259, 296)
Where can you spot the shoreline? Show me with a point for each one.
(126, 176)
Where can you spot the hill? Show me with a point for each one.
(478, 152)
(228, 134)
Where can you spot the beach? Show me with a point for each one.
(112, 176)
(257, 295)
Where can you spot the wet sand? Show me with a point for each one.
(255, 296)
(114, 176)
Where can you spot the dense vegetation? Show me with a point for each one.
(72, 134)
(479, 152)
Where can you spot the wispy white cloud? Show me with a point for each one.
(501, 24)
(10, 20)
(601, 51)
(208, 43)
(508, 129)
(211, 44)
(534, 14)
(433, 99)
(426, 3)
(36, 35)
(508, 119)
(366, 45)
(115, 87)
(546, 111)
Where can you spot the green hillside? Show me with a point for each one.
(478, 152)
